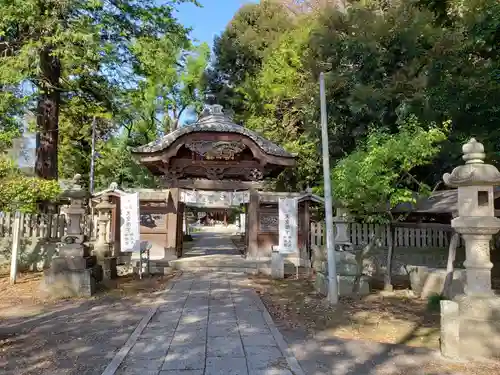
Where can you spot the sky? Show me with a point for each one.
(209, 20)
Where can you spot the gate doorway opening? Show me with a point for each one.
(214, 165)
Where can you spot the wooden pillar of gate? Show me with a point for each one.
(173, 243)
(253, 225)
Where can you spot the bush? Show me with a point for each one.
(434, 302)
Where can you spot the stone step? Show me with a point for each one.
(221, 263)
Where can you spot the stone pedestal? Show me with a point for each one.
(470, 324)
(74, 272)
(346, 274)
(277, 265)
(470, 328)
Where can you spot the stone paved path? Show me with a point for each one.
(209, 325)
(212, 243)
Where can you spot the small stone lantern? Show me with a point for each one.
(102, 248)
(468, 323)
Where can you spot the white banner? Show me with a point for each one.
(129, 219)
(288, 225)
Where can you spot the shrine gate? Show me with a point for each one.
(214, 162)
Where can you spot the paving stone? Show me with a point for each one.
(251, 329)
(261, 357)
(149, 349)
(166, 317)
(271, 371)
(192, 329)
(180, 372)
(133, 371)
(221, 310)
(226, 366)
(192, 319)
(140, 365)
(224, 329)
(226, 346)
(156, 334)
(184, 338)
(258, 340)
(187, 360)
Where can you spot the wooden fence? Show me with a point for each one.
(406, 235)
(43, 226)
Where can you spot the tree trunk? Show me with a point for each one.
(452, 253)
(390, 252)
(48, 115)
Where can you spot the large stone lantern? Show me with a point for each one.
(73, 272)
(469, 327)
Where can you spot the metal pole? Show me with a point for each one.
(330, 239)
(92, 158)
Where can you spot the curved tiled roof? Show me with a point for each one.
(216, 122)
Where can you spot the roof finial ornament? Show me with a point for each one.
(473, 152)
(210, 98)
(212, 110)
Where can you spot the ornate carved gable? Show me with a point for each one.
(216, 150)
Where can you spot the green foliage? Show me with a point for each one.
(116, 164)
(22, 193)
(56, 50)
(376, 177)
(383, 61)
(174, 82)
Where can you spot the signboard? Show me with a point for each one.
(216, 199)
(288, 225)
(129, 219)
(23, 152)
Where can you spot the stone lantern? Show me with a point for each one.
(469, 326)
(102, 247)
(341, 220)
(74, 272)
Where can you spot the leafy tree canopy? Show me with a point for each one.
(378, 175)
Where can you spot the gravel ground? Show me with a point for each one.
(74, 337)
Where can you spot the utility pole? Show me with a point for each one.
(16, 243)
(92, 158)
(333, 296)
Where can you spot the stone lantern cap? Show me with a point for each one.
(73, 189)
(475, 171)
(105, 203)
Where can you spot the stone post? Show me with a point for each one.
(476, 312)
(102, 248)
(73, 273)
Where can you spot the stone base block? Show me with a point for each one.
(69, 283)
(109, 270)
(426, 281)
(61, 264)
(74, 250)
(345, 285)
(277, 266)
(470, 328)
